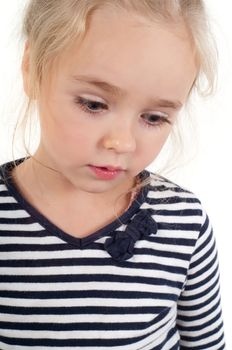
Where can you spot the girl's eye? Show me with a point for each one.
(157, 119)
(90, 106)
(94, 107)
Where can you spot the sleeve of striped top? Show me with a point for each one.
(199, 317)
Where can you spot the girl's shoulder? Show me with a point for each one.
(5, 170)
(171, 203)
(164, 188)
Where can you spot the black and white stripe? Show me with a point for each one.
(61, 292)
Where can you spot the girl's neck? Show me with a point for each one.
(42, 184)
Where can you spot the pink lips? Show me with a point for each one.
(106, 172)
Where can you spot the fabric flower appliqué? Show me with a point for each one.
(121, 245)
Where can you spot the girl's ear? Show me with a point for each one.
(25, 68)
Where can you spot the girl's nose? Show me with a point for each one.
(121, 141)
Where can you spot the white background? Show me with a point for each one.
(208, 174)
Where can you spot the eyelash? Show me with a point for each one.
(85, 103)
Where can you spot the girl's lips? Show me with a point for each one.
(105, 172)
(110, 168)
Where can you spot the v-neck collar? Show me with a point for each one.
(5, 172)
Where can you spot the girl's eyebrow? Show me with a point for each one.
(117, 91)
(103, 85)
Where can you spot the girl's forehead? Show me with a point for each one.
(120, 31)
(130, 49)
(112, 15)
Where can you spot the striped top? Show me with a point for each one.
(147, 281)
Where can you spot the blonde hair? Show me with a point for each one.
(50, 26)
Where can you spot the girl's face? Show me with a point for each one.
(113, 98)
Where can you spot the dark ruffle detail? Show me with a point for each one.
(121, 244)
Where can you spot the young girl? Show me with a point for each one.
(97, 252)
